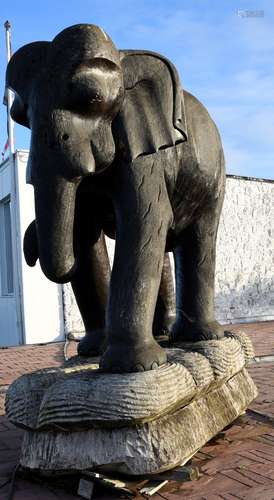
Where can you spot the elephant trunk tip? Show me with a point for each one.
(61, 274)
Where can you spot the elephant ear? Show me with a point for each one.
(153, 116)
(21, 71)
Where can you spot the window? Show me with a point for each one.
(6, 256)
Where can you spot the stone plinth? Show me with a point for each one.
(77, 417)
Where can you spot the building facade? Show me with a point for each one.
(35, 310)
(31, 307)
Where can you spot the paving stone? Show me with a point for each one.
(258, 493)
(237, 464)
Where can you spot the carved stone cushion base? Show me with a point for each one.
(77, 417)
(149, 448)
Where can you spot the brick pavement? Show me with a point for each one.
(237, 464)
(262, 335)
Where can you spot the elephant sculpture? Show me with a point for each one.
(118, 147)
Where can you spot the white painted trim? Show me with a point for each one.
(17, 226)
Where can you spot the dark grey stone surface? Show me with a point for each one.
(118, 147)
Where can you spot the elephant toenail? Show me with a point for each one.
(139, 368)
(154, 365)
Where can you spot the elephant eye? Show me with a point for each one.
(85, 96)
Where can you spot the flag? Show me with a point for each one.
(6, 147)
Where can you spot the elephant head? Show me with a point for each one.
(83, 100)
(67, 92)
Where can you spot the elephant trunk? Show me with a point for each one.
(54, 207)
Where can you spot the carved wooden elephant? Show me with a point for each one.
(117, 146)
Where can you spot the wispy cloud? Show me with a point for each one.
(227, 62)
(223, 59)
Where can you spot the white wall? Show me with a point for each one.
(42, 300)
(245, 252)
(245, 262)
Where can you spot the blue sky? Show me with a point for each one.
(224, 57)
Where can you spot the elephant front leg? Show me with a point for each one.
(143, 217)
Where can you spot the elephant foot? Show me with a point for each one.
(125, 358)
(163, 327)
(92, 344)
(185, 331)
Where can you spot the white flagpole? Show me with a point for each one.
(7, 26)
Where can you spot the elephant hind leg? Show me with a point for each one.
(195, 276)
(90, 286)
(165, 312)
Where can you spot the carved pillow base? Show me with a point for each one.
(138, 423)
